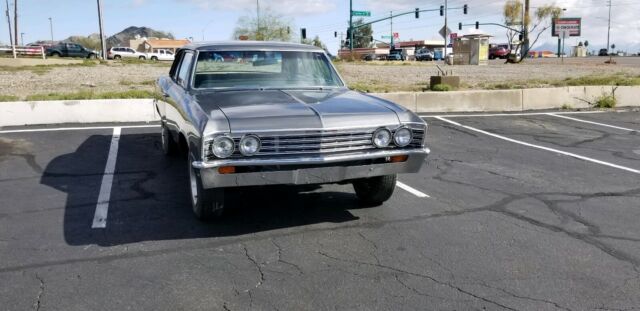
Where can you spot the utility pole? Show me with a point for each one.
(444, 54)
(103, 44)
(9, 22)
(51, 28)
(22, 38)
(15, 21)
(609, 28)
(392, 43)
(525, 30)
(351, 26)
(258, 20)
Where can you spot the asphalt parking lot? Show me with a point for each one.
(519, 212)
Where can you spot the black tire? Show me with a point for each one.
(142, 58)
(375, 190)
(207, 204)
(117, 56)
(91, 56)
(55, 54)
(153, 58)
(169, 145)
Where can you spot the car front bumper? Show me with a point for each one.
(289, 173)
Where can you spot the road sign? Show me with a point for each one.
(397, 45)
(386, 37)
(361, 13)
(243, 38)
(396, 35)
(444, 32)
(453, 36)
(571, 24)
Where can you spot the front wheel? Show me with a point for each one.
(375, 190)
(153, 58)
(169, 145)
(141, 58)
(207, 204)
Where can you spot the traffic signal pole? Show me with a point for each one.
(351, 26)
(444, 54)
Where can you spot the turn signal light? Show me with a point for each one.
(227, 169)
(397, 159)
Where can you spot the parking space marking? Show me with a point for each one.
(577, 156)
(412, 190)
(102, 208)
(76, 128)
(591, 122)
(507, 114)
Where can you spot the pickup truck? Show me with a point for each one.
(70, 50)
(161, 55)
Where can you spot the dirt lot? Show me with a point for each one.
(375, 76)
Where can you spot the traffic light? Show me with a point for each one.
(303, 32)
(477, 25)
(417, 13)
(465, 9)
(335, 34)
(371, 39)
(442, 10)
(288, 30)
(520, 37)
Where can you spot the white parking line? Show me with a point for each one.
(591, 122)
(412, 190)
(506, 114)
(577, 156)
(75, 128)
(102, 208)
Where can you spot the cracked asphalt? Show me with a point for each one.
(506, 226)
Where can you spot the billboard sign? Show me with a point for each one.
(572, 25)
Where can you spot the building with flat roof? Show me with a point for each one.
(155, 44)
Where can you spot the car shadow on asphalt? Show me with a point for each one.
(150, 198)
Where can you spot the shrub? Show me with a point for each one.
(441, 88)
(605, 101)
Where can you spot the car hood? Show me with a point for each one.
(265, 110)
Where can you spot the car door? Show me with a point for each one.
(176, 93)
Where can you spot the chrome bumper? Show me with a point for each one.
(312, 175)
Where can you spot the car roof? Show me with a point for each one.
(250, 45)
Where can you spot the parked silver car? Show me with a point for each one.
(262, 113)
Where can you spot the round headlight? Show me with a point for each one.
(381, 138)
(223, 147)
(249, 145)
(402, 137)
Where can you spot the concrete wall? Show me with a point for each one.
(77, 111)
(142, 110)
(513, 100)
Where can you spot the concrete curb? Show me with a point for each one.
(77, 111)
(143, 110)
(512, 100)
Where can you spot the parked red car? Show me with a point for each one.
(498, 52)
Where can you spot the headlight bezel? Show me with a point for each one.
(375, 134)
(218, 139)
(249, 136)
(396, 135)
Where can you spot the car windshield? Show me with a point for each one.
(264, 69)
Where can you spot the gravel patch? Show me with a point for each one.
(386, 76)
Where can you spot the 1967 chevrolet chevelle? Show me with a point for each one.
(264, 113)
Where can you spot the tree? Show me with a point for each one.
(513, 11)
(270, 27)
(361, 35)
(315, 42)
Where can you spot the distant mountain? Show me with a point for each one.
(122, 38)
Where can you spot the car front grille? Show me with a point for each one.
(320, 142)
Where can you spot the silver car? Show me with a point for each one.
(266, 113)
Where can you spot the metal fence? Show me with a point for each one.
(30, 51)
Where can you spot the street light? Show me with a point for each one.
(51, 28)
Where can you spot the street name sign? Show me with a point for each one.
(361, 13)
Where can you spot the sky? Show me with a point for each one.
(215, 19)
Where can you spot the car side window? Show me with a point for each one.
(185, 66)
